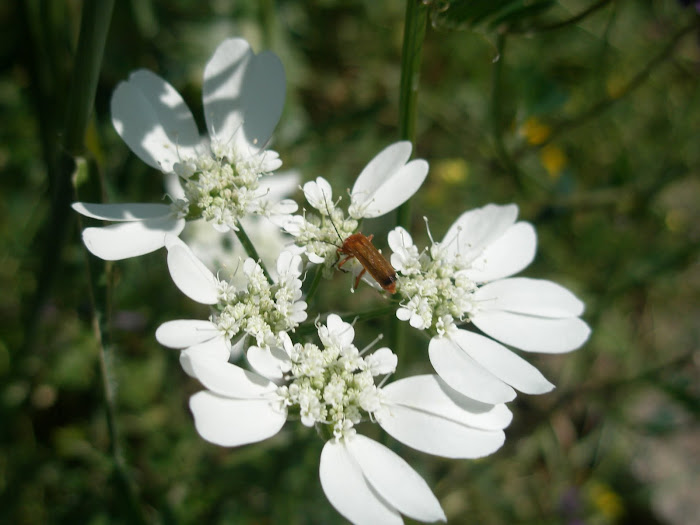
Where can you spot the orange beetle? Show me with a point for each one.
(361, 248)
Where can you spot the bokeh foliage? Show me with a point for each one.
(590, 123)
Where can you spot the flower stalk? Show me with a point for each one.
(413, 35)
(251, 251)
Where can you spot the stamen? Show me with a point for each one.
(369, 346)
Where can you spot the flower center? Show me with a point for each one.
(333, 386)
(260, 310)
(437, 290)
(223, 184)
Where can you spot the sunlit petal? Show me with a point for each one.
(395, 480)
(233, 422)
(243, 93)
(533, 334)
(130, 239)
(465, 375)
(348, 491)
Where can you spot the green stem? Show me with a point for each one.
(251, 251)
(413, 36)
(415, 24)
(314, 285)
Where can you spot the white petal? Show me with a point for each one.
(381, 361)
(533, 334)
(233, 422)
(465, 375)
(474, 230)
(122, 212)
(348, 491)
(503, 363)
(395, 480)
(439, 436)
(130, 239)
(190, 274)
(154, 121)
(535, 297)
(510, 253)
(229, 380)
(268, 362)
(387, 181)
(430, 394)
(183, 333)
(341, 332)
(243, 92)
(399, 239)
(217, 348)
(173, 186)
(319, 194)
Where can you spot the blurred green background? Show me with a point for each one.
(592, 127)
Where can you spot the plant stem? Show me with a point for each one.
(413, 36)
(251, 251)
(94, 27)
(314, 285)
(415, 23)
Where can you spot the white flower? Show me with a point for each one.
(217, 250)
(258, 309)
(243, 96)
(365, 481)
(464, 279)
(383, 185)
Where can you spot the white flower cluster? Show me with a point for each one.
(334, 388)
(243, 97)
(224, 186)
(321, 235)
(458, 413)
(436, 289)
(463, 279)
(334, 385)
(384, 184)
(257, 308)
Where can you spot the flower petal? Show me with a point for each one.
(533, 334)
(503, 363)
(217, 348)
(190, 274)
(434, 434)
(229, 380)
(475, 230)
(430, 394)
(243, 93)
(510, 253)
(233, 422)
(348, 491)
(465, 375)
(536, 297)
(319, 194)
(268, 362)
(387, 181)
(122, 212)
(183, 333)
(153, 119)
(130, 239)
(395, 480)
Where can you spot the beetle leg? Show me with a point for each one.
(359, 276)
(341, 263)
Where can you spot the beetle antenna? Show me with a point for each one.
(330, 217)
